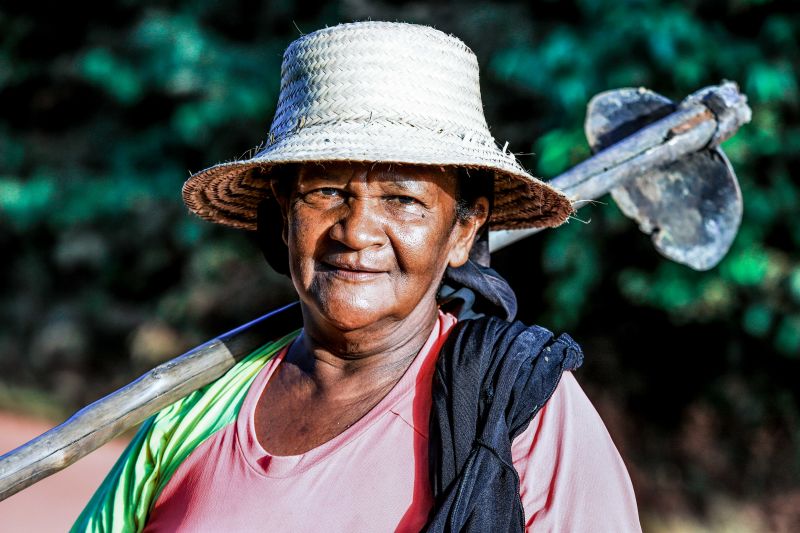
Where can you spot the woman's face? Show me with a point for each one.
(369, 243)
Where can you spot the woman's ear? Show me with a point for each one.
(466, 231)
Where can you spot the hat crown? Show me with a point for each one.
(375, 73)
(368, 92)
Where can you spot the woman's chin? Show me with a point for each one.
(353, 313)
(348, 306)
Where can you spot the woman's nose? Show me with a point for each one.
(360, 225)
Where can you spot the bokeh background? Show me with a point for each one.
(104, 274)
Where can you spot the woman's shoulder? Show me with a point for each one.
(567, 412)
(572, 476)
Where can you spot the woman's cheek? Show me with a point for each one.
(421, 244)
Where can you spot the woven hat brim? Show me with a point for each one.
(229, 193)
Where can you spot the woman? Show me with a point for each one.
(386, 411)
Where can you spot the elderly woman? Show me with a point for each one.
(408, 399)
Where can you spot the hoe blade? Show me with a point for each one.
(692, 207)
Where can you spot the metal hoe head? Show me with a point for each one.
(692, 206)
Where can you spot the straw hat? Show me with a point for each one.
(378, 92)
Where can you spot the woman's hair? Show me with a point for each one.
(471, 185)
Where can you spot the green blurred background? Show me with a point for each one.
(105, 112)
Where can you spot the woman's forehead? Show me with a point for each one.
(402, 176)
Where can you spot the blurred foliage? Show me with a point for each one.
(106, 112)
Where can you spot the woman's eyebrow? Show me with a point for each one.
(405, 185)
(322, 176)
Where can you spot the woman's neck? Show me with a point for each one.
(354, 363)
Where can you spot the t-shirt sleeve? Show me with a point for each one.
(572, 477)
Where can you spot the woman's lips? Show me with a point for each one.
(352, 272)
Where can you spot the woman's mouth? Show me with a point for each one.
(351, 271)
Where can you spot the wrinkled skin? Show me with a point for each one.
(368, 245)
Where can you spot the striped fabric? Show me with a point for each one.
(127, 495)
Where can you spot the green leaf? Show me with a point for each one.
(559, 149)
(768, 82)
(757, 319)
(120, 80)
(26, 201)
(787, 338)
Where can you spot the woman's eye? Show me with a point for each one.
(323, 193)
(404, 205)
(404, 200)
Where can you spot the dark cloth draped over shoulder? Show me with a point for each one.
(472, 291)
(492, 376)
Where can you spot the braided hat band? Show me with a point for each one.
(378, 92)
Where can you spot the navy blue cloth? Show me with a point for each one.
(479, 291)
(491, 378)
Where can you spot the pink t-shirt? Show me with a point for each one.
(374, 475)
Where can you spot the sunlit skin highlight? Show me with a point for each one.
(368, 245)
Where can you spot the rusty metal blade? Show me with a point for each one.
(692, 207)
(613, 115)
